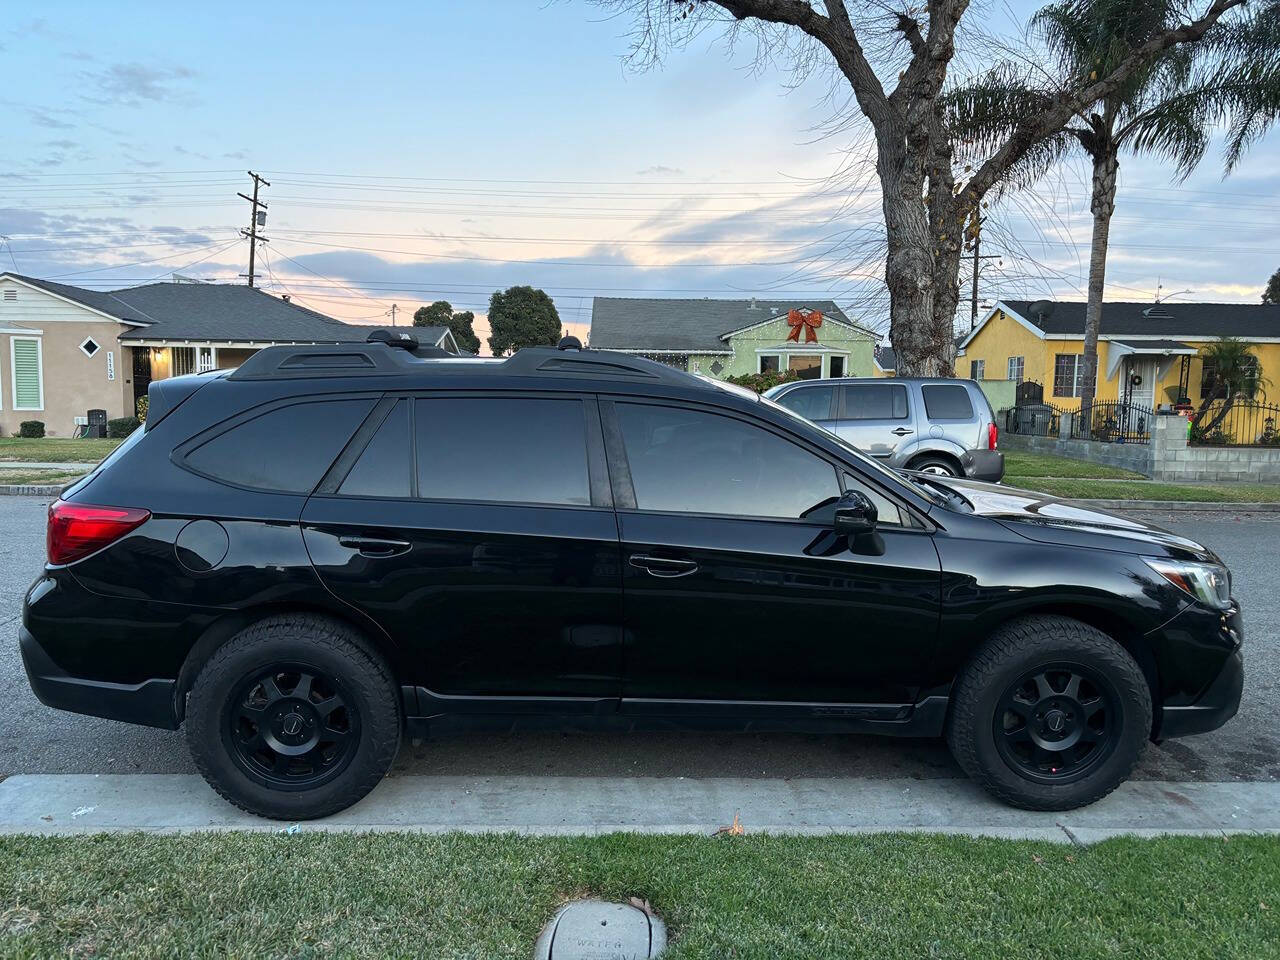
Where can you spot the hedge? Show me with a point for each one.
(122, 426)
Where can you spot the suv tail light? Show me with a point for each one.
(78, 529)
(993, 434)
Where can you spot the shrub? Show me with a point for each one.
(122, 426)
(760, 382)
(141, 408)
(32, 429)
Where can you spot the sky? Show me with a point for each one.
(444, 150)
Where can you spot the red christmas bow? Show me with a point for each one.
(807, 320)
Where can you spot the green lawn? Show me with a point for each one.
(20, 476)
(1020, 463)
(1080, 489)
(55, 449)
(455, 896)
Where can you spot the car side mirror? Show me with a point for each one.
(855, 514)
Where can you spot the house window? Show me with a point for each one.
(89, 347)
(977, 369)
(1068, 375)
(27, 373)
(182, 361)
(837, 367)
(808, 366)
(769, 362)
(1016, 366)
(1209, 384)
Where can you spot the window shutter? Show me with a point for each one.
(26, 374)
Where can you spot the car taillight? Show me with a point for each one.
(993, 434)
(78, 529)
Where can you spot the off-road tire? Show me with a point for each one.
(332, 647)
(1010, 652)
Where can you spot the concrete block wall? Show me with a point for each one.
(1168, 457)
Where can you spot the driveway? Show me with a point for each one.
(39, 740)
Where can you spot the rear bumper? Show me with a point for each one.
(985, 465)
(1217, 705)
(149, 703)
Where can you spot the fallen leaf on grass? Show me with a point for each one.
(640, 904)
(734, 829)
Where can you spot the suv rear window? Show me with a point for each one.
(947, 401)
(504, 449)
(285, 450)
(383, 467)
(812, 403)
(874, 401)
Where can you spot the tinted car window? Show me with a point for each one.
(509, 449)
(286, 450)
(947, 401)
(874, 401)
(688, 461)
(887, 512)
(812, 403)
(383, 468)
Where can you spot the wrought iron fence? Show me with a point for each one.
(1112, 421)
(1236, 423)
(1033, 419)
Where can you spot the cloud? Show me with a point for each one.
(133, 84)
(51, 119)
(237, 155)
(658, 170)
(61, 144)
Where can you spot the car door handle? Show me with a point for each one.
(376, 547)
(901, 431)
(663, 566)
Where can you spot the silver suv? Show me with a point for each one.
(935, 426)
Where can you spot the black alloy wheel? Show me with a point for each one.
(1056, 723)
(291, 727)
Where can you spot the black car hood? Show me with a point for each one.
(1048, 519)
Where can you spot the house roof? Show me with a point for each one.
(689, 325)
(1156, 346)
(205, 312)
(1169, 319)
(885, 358)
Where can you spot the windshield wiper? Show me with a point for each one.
(949, 495)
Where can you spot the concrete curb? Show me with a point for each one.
(179, 803)
(1191, 506)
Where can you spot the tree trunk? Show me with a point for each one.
(1102, 205)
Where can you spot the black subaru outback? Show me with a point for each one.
(334, 546)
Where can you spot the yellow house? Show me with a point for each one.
(1148, 353)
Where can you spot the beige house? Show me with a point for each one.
(65, 350)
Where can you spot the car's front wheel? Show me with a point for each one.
(1050, 714)
(294, 718)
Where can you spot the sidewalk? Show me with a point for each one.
(168, 803)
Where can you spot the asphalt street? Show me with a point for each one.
(35, 739)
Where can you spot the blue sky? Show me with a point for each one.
(429, 150)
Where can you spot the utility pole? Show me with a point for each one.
(257, 218)
(977, 262)
(394, 308)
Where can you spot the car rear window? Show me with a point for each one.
(285, 450)
(947, 401)
(874, 401)
(812, 403)
(505, 449)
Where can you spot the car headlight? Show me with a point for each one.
(1210, 583)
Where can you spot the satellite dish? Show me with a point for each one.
(1041, 309)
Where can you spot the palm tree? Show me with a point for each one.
(1169, 110)
(1235, 374)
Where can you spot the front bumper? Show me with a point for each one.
(1213, 708)
(149, 703)
(987, 465)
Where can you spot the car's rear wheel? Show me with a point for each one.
(294, 718)
(1050, 714)
(939, 466)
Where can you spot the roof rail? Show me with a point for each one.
(384, 357)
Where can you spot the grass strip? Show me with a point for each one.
(466, 896)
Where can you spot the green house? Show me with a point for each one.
(725, 338)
